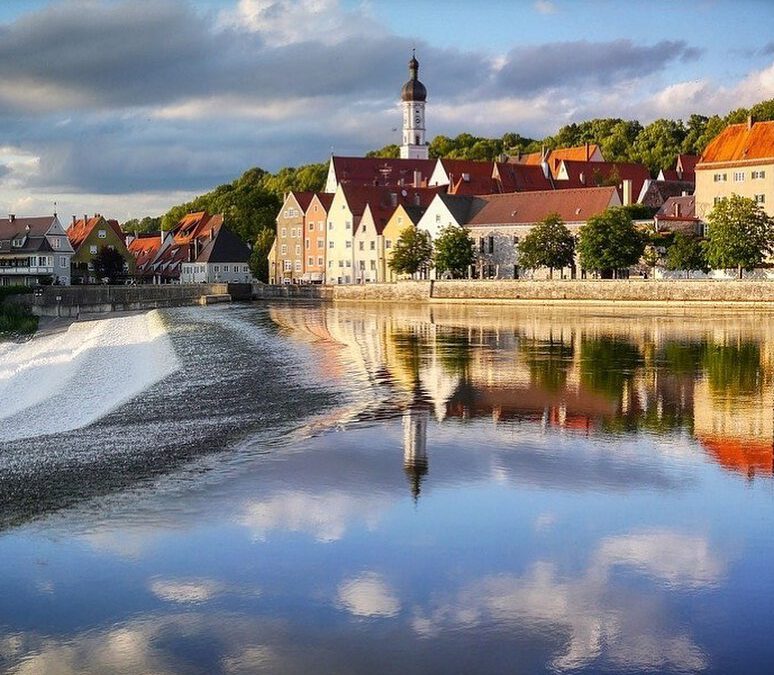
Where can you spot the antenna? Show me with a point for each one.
(54, 208)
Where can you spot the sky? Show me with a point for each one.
(127, 107)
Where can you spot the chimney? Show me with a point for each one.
(749, 122)
(544, 166)
(588, 152)
(161, 234)
(627, 192)
(677, 210)
(582, 178)
(212, 233)
(73, 220)
(466, 178)
(11, 217)
(393, 199)
(417, 178)
(685, 193)
(85, 218)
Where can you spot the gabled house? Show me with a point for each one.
(739, 160)
(684, 169)
(224, 258)
(448, 210)
(34, 251)
(502, 221)
(272, 259)
(290, 236)
(678, 214)
(510, 177)
(463, 176)
(627, 177)
(315, 223)
(655, 192)
(403, 217)
(87, 237)
(552, 158)
(146, 248)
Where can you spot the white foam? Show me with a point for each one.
(66, 381)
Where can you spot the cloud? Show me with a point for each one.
(538, 68)
(545, 7)
(368, 595)
(186, 591)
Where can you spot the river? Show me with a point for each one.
(295, 488)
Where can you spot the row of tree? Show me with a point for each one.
(740, 236)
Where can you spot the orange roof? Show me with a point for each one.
(531, 207)
(80, 229)
(144, 248)
(740, 142)
(580, 153)
(742, 455)
(196, 226)
(384, 201)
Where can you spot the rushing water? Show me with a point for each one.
(360, 489)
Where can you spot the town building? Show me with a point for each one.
(146, 248)
(447, 210)
(628, 177)
(315, 225)
(403, 217)
(413, 97)
(224, 258)
(377, 172)
(678, 214)
(88, 236)
(552, 158)
(274, 277)
(34, 251)
(684, 169)
(739, 160)
(290, 237)
(500, 222)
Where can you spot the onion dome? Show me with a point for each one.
(413, 90)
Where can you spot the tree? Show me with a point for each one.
(413, 252)
(391, 151)
(659, 143)
(549, 244)
(686, 253)
(610, 242)
(108, 264)
(454, 251)
(740, 234)
(259, 261)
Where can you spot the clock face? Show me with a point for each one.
(417, 119)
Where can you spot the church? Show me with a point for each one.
(413, 97)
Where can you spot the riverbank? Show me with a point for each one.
(15, 317)
(632, 292)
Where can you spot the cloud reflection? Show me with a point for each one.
(368, 595)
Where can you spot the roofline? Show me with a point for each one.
(731, 163)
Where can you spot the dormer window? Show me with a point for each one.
(102, 234)
(18, 242)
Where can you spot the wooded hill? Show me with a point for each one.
(251, 202)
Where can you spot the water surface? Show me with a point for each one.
(357, 489)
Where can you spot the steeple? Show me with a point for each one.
(413, 97)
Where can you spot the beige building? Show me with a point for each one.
(739, 160)
(403, 217)
(290, 237)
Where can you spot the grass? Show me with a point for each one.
(15, 319)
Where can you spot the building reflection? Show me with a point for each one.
(710, 377)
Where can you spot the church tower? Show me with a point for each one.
(413, 96)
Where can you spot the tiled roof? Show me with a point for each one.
(530, 207)
(38, 225)
(325, 199)
(384, 201)
(225, 247)
(678, 208)
(580, 153)
(81, 229)
(461, 207)
(191, 226)
(687, 166)
(596, 174)
(144, 248)
(303, 198)
(379, 171)
(740, 142)
(520, 177)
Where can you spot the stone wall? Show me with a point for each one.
(75, 301)
(571, 291)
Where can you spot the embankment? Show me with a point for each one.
(76, 301)
(633, 291)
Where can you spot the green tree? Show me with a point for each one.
(610, 242)
(740, 234)
(659, 143)
(259, 261)
(549, 244)
(413, 252)
(392, 151)
(686, 253)
(454, 251)
(108, 264)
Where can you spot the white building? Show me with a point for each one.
(224, 259)
(413, 97)
(34, 251)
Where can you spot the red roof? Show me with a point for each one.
(686, 165)
(742, 455)
(325, 199)
(531, 207)
(144, 248)
(579, 153)
(678, 208)
(303, 198)
(740, 142)
(595, 174)
(520, 178)
(379, 171)
(384, 201)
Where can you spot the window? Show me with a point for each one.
(310, 262)
(361, 245)
(298, 249)
(349, 263)
(283, 249)
(298, 265)
(93, 250)
(756, 175)
(491, 244)
(102, 234)
(346, 278)
(306, 243)
(349, 244)
(18, 243)
(362, 264)
(400, 220)
(311, 226)
(515, 240)
(42, 261)
(63, 261)
(330, 244)
(717, 200)
(720, 177)
(330, 225)
(330, 264)
(341, 263)
(738, 176)
(373, 245)
(284, 232)
(216, 268)
(320, 261)
(56, 243)
(515, 271)
(321, 243)
(245, 268)
(760, 199)
(348, 224)
(481, 244)
(287, 265)
(225, 268)
(388, 243)
(437, 217)
(373, 264)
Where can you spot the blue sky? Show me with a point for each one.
(164, 99)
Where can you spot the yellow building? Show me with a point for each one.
(739, 160)
(402, 217)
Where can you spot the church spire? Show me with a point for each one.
(413, 97)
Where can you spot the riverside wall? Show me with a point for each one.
(629, 291)
(77, 301)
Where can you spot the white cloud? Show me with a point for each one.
(545, 7)
(186, 591)
(368, 595)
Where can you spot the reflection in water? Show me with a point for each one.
(600, 500)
